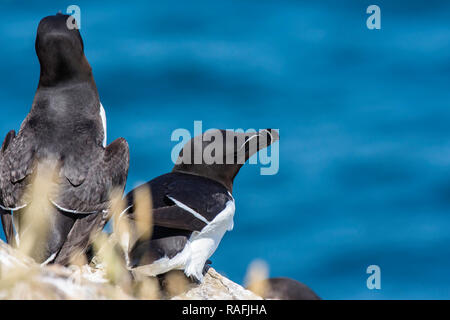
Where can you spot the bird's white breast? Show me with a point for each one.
(103, 116)
(199, 248)
(204, 243)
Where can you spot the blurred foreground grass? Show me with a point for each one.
(106, 275)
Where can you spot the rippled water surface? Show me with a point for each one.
(363, 116)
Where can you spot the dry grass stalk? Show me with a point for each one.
(143, 212)
(176, 283)
(35, 217)
(256, 277)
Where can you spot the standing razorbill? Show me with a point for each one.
(193, 205)
(66, 131)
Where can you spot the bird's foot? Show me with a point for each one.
(206, 266)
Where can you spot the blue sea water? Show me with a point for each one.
(363, 116)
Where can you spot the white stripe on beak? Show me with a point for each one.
(246, 141)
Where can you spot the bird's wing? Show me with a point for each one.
(79, 237)
(7, 224)
(5, 215)
(105, 173)
(16, 163)
(89, 201)
(148, 251)
(184, 202)
(176, 218)
(204, 200)
(8, 138)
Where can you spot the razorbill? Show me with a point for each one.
(193, 205)
(64, 130)
(287, 289)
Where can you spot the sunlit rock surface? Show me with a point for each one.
(22, 278)
(217, 287)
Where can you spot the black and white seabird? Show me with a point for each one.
(287, 289)
(65, 128)
(193, 205)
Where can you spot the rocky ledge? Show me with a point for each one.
(22, 278)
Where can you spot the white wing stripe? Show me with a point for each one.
(13, 209)
(69, 210)
(123, 212)
(50, 259)
(185, 207)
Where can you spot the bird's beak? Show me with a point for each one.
(258, 141)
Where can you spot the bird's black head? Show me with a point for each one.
(60, 51)
(220, 154)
